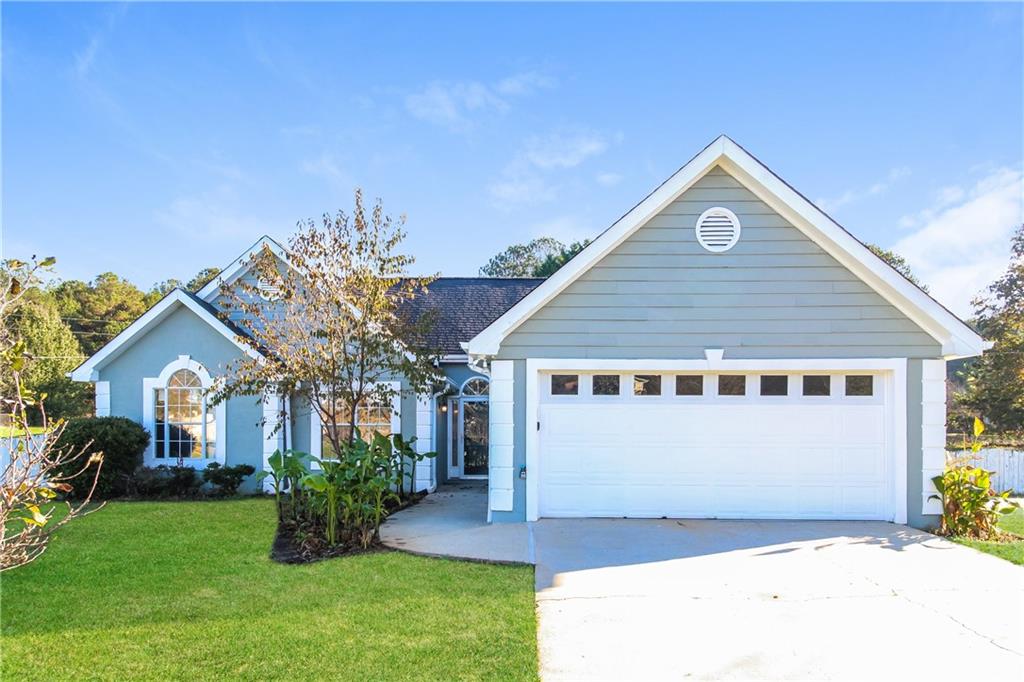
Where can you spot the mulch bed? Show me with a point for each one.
(287, 550)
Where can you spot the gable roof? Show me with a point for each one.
(175, 299)
(240, 266)
(955, 336)
(464, 306)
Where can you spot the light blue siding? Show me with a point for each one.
(776, 294)
(184, 333)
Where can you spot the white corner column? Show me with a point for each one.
(426, 468)
(933, 431)
(102, 398)
(273, 437)
(501, 416)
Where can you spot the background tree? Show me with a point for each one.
(898, 262)
(161, 289)
(201, 279)
(54, 351)
(539, 258)
(335, 332)
(98, 310)
(995, 382)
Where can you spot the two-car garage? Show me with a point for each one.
(765, 444)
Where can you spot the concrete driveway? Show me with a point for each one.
(665, 599)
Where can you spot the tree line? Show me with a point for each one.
(65, 321)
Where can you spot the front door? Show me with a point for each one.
(468, 443)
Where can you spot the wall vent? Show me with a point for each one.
(267, 291)
(718, 229)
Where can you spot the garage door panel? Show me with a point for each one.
(714, 457)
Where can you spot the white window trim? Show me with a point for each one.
(150, 384)
(893, 372)
(315, 422)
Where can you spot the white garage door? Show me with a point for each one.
(784, 446)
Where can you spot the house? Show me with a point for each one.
(725, 349)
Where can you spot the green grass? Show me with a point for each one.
(1011, 551)
(185, 590)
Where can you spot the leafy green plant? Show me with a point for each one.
(226, 479)
(970, 506)
(122, 442)
(286, 473)
(405, 451)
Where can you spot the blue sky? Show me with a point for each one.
(153, 140)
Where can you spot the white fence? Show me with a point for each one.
(1008, 465)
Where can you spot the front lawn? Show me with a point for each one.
(1011, 551)
(184, 590)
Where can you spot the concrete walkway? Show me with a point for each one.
(452, 522)
(673, 599)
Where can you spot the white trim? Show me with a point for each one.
(895, 400)
(957, 339)
(150, 384)
(273, 438)
(933, 431)
(426, 468)
(102, 398)
(88, 370)
(239, 267)
(501, 438)
(481, 377)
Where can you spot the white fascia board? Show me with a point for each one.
(87, 371)
(239, 267)
(489, 340)
(957, 339)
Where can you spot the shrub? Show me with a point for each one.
(165, 481)
(226, 480)
(122, 443)
(970, 506)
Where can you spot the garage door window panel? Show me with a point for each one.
(565, 384)
(732, 385)
(774, 385)
(647, 384)
(817, 385)
(689, 385)
(605, 384)
(859, 385)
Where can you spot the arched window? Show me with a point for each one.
(185, 426)
(475, 387)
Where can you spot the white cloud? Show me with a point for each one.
(86, 57)
(851, 196)
(211, 216)
(326, 166)
(963, 242)
(453, 105)
(527, 179)
(525, 83)
(520, 190)
(560, 150)
(608, 179)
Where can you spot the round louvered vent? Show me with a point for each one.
(718, 229)
(267, 291)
